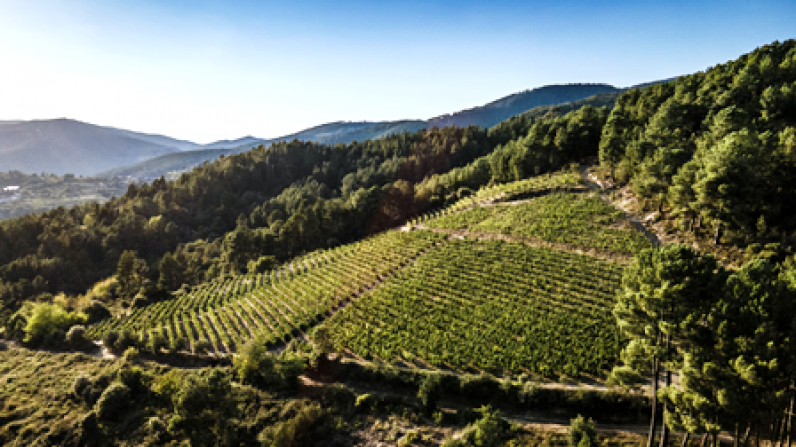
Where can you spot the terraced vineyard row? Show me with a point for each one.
(279, 309)
(214, 293)
(571, 218)
(507, 191)
(490, 305)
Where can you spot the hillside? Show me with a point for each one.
(450, 286)
(501, 109)
(64, 146)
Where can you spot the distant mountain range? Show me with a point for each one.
(66, 146)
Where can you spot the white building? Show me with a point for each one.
(11, 188)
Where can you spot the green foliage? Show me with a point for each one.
(112, 402)
(81, 387)
(76, 337)
(580, 432)
(296, 431)
(715, 146)
(261, 265)
(46, 319)
(488, 431)
(204, 408)
(430, 391)
(442, 308)
(583, 220)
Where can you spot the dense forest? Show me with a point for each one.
(717, 149)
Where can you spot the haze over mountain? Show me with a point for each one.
(63, 146)
(345, 132)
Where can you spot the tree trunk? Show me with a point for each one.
(665, 428)
(685, 439)
(789, 426)
(737, 435)
(717, 236)
(704, 440)
(654, 416)
(780, 436)
(746, 435)
(715, 439)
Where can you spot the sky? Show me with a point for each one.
(209, 70)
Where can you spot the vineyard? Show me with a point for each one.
(222, 316)
(580, 219)
(509, 191)
(492, 305)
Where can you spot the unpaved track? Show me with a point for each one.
(638, 224)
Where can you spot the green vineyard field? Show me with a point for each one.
(581, 219)
(493, 306)
(277, 306)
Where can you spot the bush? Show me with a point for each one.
(126, 340)
(133, 378)
(81, 387)
(256, 366)
(580, 430)
(96, 311)
(109, 339)
(76, 337)
(295, 431)
(46, 319)
(430, 391)
(112, 401)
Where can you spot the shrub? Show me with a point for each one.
(430, 391)
(134, 378)
(96, 311)
(580, 430)
(126, 340)
(112, 401)
(256, 366)
(109, 339)
(76, 336)
(81, 387)
(46, 319)
(295, 431)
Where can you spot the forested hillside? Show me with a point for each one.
(716, 150)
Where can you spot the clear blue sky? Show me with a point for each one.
(207, 70)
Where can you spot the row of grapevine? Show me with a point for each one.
(572, 218)
(505, 191)
(216, 293)
(288, 303)
(490, 305)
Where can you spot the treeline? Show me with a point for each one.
(717, 148)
